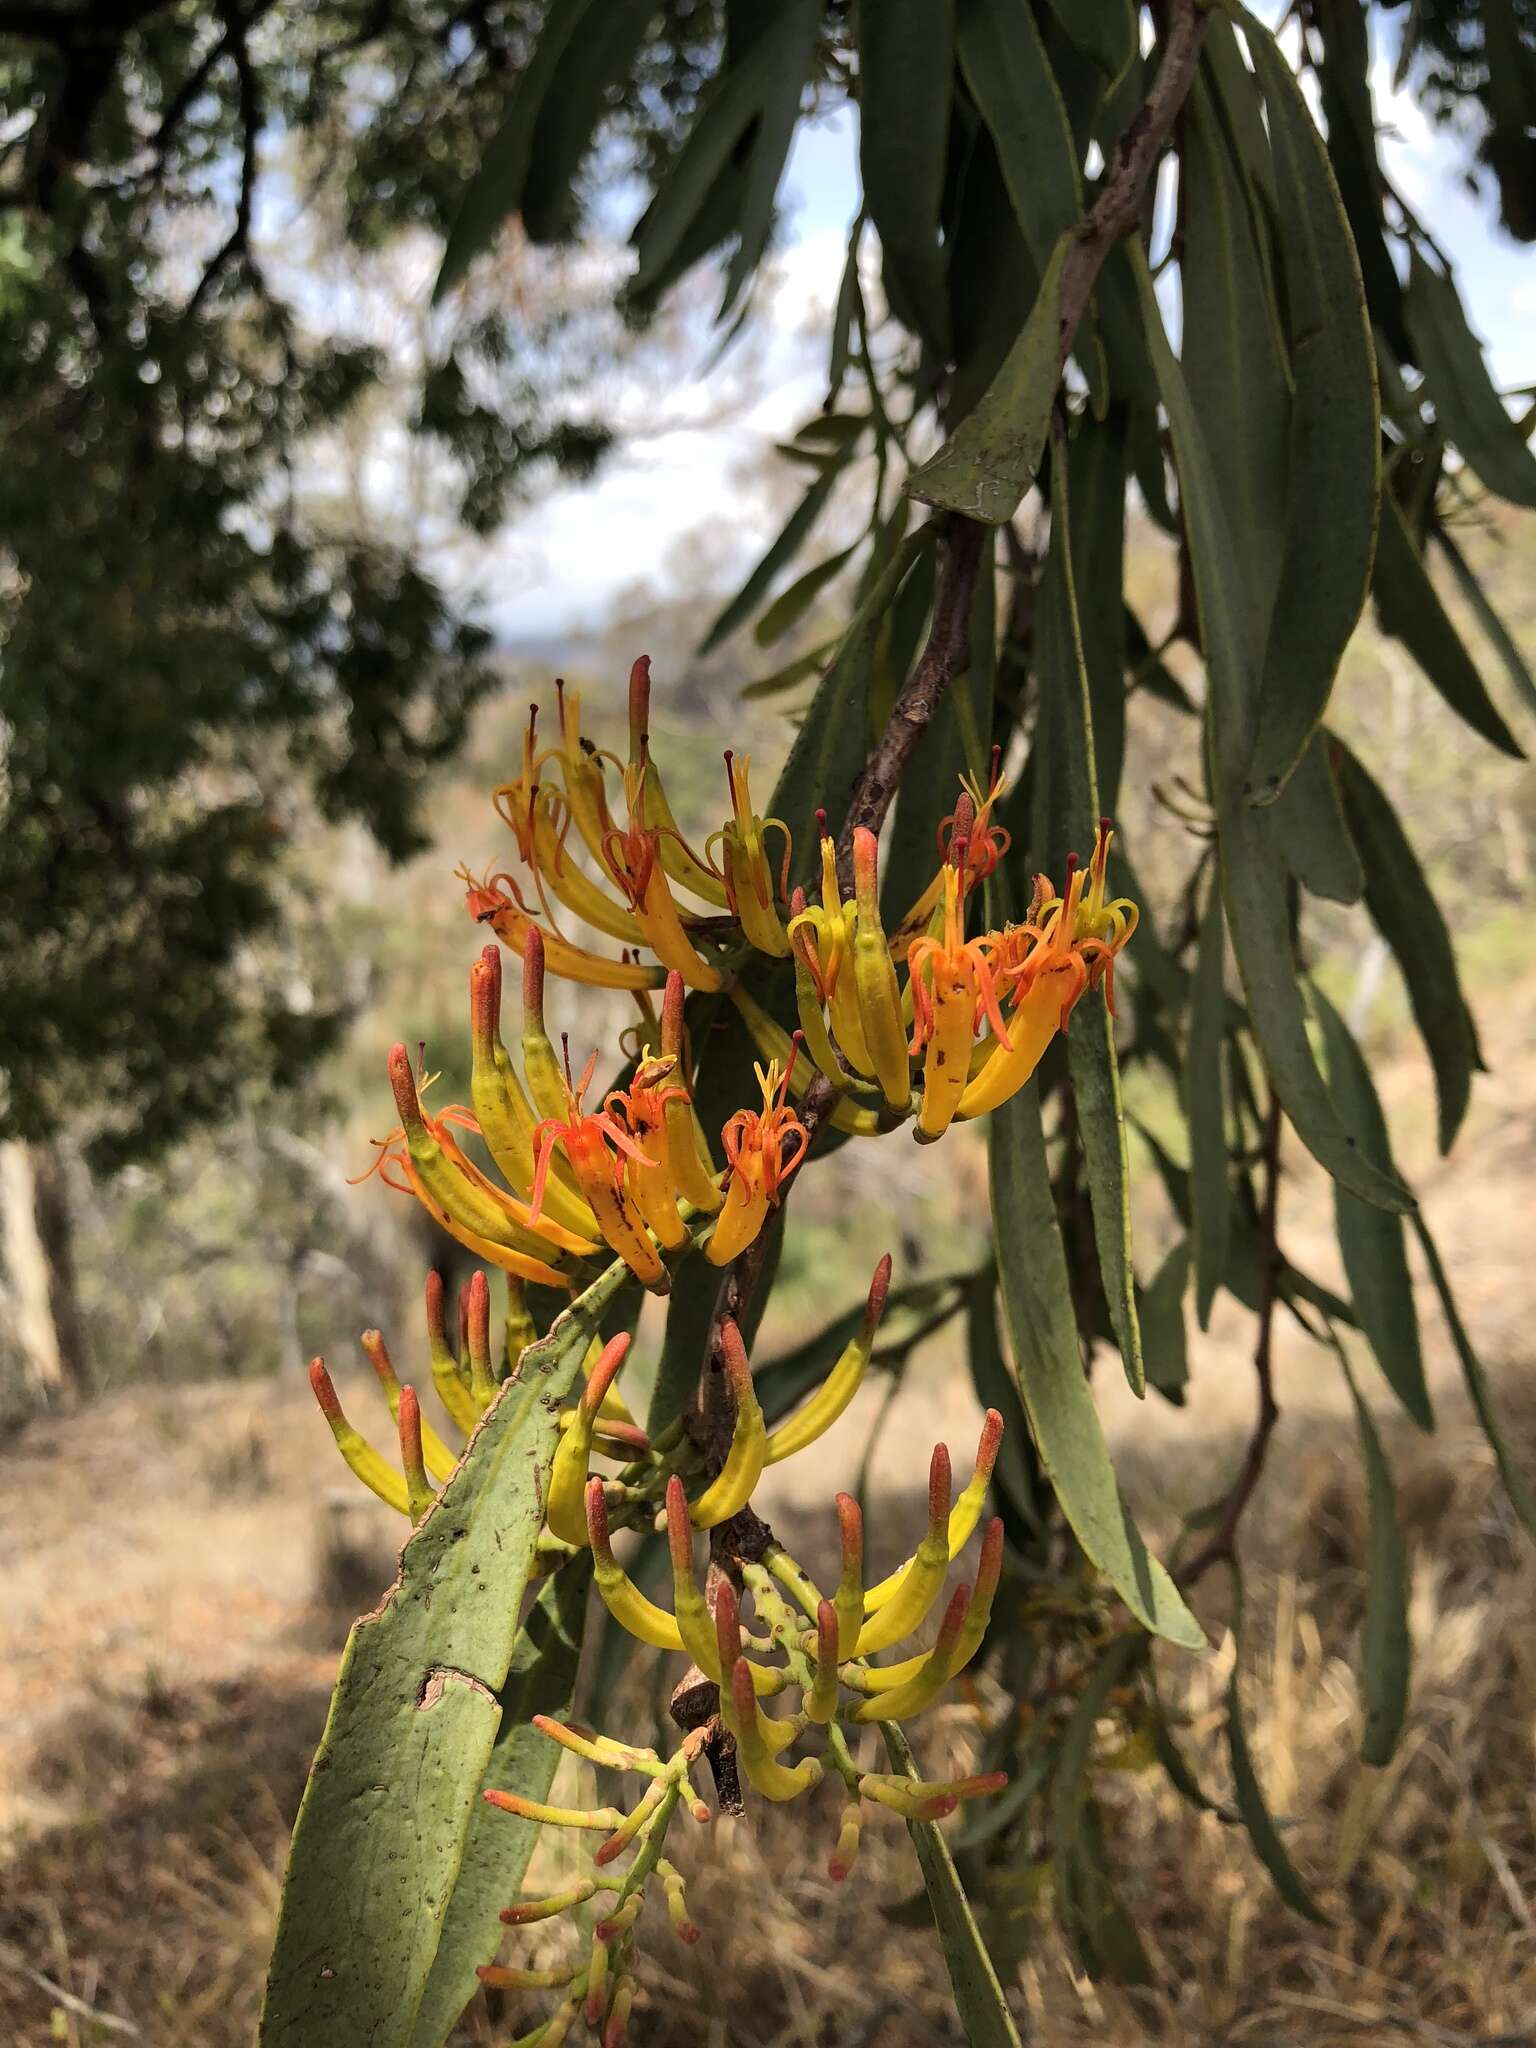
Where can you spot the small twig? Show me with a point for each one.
(1221, 1546)
(13, 1959)
(237, 242)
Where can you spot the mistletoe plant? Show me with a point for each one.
(907, 942)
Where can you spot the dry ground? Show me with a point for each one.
(181, 1569)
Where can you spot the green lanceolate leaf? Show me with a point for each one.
(979, 2001)
(1070, 801)
(791, 606)
(792, 672)
(1521, 1497)
(1042, 1327)
(570, 110)
(739, 97)
(778, 557)
(499, 1846)
(379, 1841)
(1097, 471)
(1231, 356)
(991, 459)
(1309, 823)
(1371, 1241)
(1456, 372)
(1333, 474)
(1205, 1093)
(1350, 122)
(793, 49)
(1253, 875)
(1499, 636)
(1005, 66)
(1410, 609)
(906, 61)
(1104, 30)
(1163, 1340)
(495, 192)
(1104, 1936)
(1403, 908)
(1386, 1646)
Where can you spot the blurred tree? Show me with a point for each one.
(198, 636)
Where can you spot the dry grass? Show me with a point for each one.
(151, 1894)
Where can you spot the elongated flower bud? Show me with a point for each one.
(527, 1911)
(452, 1386)
(477, 1332)
(565, 1505)
(365, 1462)
(622, 1597)
(965, 1514)
(923, 1578)
(418, 1489)
(848, 1601)
(830, 1399)
(821, 1700)
(730, 1491)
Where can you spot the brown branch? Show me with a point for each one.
(946, 655)
(1222, 1544)
(236, 246)
(1116, 212)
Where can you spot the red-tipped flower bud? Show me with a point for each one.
(324, 1392)
(672, 999)
(728, 1625)
(485, 1002)
(410, 1435)
(477, 1324)
(733, 1356)
(939, 1485)
(991, 1441)
(403, 1082)
(437, 1327)
(866, 872)
(597, 1522)
(605, 1372)
(879, 1288)
(533, 978)
(639, 705)
(826, 1636)
(679, 1528)
(743, 1698)
(377, 1352)
(850, 1530)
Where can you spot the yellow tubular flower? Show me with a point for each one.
(565, 1508)
(451, 1388)
(920, 1691)
(676, 856)
(621, 1596)
(874, 975)
(497, 901)
(688, 1157)
(585, 1139)
(633, 858)
(952, 984)
(695, 1623)
(762, 1149)
(418, 1488)
(440, 1461)
(923, 1579)
(841, 1383)
(749, 881)
(756, 1742)
(648, 1177)
(808, 999)
(886, 1677)
(1068, 945)
(915, 1800)
(539, 818)
(581, 770)
(361, 1457)
(824, 940)
(964, 1515)
(776, 1045)
(728, 1493)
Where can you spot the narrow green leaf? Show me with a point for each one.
(1333, 476)
(1344, 79)
(1466, 404)
(1521, 1497)
(1404, 910)
(495, 192)
(991, 459)
(1386, 1646)
(906, 62)
(1163, 1340)
(1253, 875)
(499, 1846)
(1410, 609)
(979, 2001)
(779, 556)
(566, 123)
(1179, 1774)
(738, 98)
(1231, 356)
(1499, 635)
(1256, 1817)
(1086, 1901)
(847, 314)
(1096, 467)
(793, 50)
(379, 1840)
(1371, 1241)
(1069, 801)
(1004, 64)
(792, 672)
(791, 605)
(1310, 827)
(1105, 30)
(1048, 1361)
(1206, 1113)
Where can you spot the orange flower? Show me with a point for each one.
(762, 1149)
(954, 984)
(585, 1137)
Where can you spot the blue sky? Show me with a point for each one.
(559, 571)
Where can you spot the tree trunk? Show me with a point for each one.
(38, 1237)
